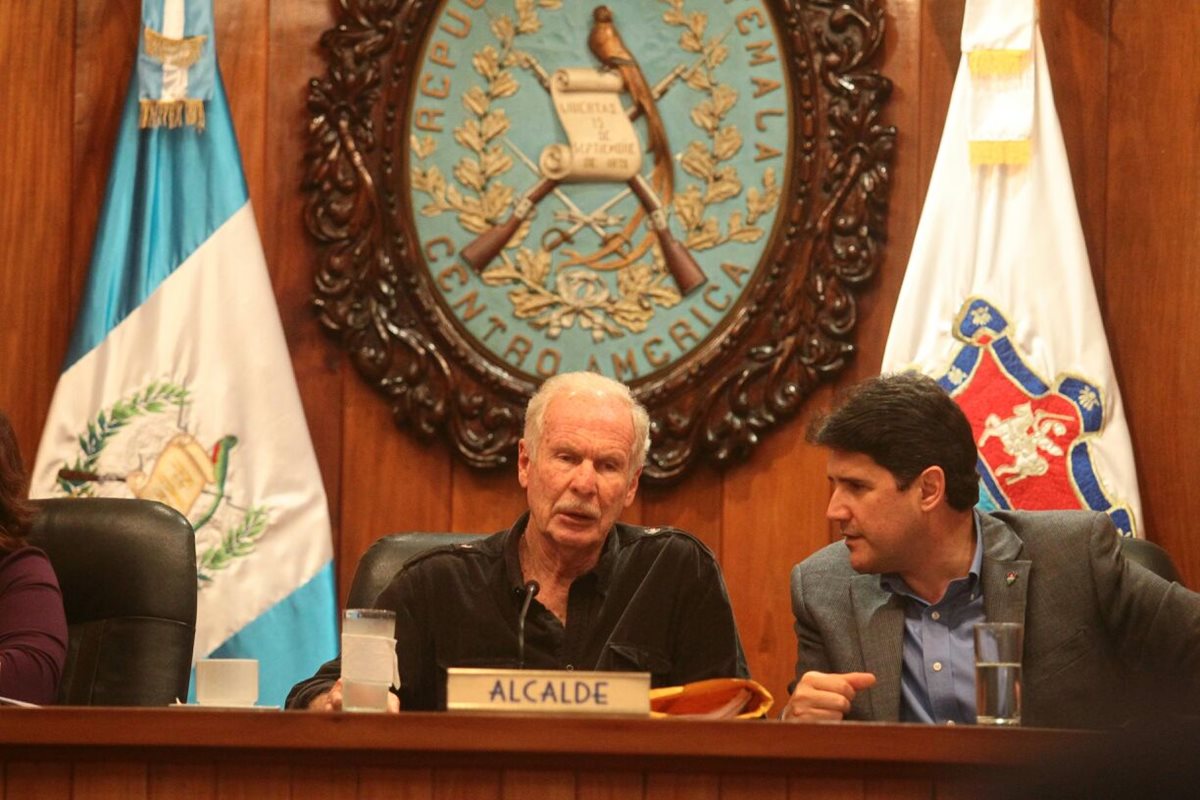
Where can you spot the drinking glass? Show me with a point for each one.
(998, 672)
(228, 682)
(368, 658)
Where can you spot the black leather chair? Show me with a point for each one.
(387, 555)
(127, 569)
(1150, 556)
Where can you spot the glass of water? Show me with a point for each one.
(368, 658)
(998, 672)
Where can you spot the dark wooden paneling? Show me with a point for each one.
(466, 784)
(774, 515)
(517, 784)
(482, 501)
(49, 780)
(105, 46)
(1153, 249)
(1076, 38)
(388, 483)
(294, 28)
(324, 782)
(682, 787)
(609, 785)
(35, 192)
(193, 781)
(389, 783)
(246, 781)
(111, 779)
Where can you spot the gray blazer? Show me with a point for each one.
(1100, 631)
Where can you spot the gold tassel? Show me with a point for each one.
(172, 114)
(1013, 151)
(176, 52)
(995, 63)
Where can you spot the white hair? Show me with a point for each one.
(589, 382)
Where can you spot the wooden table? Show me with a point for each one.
(188, 752)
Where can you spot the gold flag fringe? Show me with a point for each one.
(172, 114)
(996, 63)
(176, 52)
(1014, 151)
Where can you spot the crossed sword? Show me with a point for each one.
(683, 268)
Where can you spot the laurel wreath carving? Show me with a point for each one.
(792, 330)
(109, 422)
(703, 160)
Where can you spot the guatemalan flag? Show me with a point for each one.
(998, 302)
(178, 386)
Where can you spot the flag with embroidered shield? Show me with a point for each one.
(998, 302)
(177, 385)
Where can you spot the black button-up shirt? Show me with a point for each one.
(655, 602)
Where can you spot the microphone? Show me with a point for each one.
(531, 590)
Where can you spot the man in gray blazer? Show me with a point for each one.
(884, 618)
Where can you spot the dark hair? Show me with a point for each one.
(906, 423)
(15, 510)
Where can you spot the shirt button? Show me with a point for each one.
(949, 722)
(936, 615)
(570, 666)
(937, 666)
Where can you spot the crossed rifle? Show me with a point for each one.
(683, 268)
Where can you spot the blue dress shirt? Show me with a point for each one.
(937, 681)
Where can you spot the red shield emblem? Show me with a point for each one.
(1032, 436)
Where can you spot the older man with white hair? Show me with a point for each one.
(612, 596)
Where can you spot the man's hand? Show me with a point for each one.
(332, 700)
(825, 696)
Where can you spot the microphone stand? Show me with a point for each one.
(531, 590)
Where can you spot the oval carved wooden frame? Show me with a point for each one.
(791, 330)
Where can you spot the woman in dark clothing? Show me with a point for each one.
(33, 628)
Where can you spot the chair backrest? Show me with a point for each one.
(387, 555)
(1150, 556)
(127, 569)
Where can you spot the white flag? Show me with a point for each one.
(178, 386)
(998, 302)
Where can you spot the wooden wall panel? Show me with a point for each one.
(37, 780)
(388, 483)
(295, 26)
(105, 779)
(701, 514)
(35, 191)
(519, 784)
(105, 42)
(1152, 272)
(1076, 37)
(1125, 80)
(774, 515)
(193, 781)
(482, 501)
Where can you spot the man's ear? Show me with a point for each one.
(932, 485)
(523, 464)
(631, 492)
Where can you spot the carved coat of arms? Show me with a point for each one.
(680, 194)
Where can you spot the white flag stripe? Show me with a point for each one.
(238, 351)
(1011, 235)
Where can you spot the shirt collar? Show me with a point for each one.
(893, 583)
(601, 573)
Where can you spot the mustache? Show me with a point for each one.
(577, 509)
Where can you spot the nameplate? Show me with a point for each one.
(548, 691)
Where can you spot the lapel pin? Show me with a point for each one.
(1010, 578)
